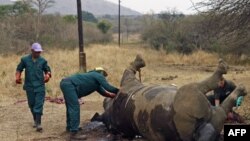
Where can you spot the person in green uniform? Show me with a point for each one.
(80, 85)
(37, 73)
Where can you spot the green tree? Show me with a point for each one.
(70, 18)
(41, 5)
(87, 16)
(18, 8)
(232, 23)
(174, 31)
(104, 26)
(5, 10)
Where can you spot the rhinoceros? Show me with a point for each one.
(165, 113)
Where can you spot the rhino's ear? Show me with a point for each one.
(96, 117)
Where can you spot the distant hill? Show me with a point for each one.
(97, 7)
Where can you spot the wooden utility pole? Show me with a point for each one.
(82, 55)
(119, 23)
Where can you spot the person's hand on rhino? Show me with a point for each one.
(109, 94)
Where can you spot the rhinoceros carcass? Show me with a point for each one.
(165, 113)
(142, 110)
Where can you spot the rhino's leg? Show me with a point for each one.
(129, 79)
(185, 127)
(220, 113)
(138, 63)
(218, 118)
(191, 110)
(229, 102)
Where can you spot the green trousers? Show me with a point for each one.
(35, 101)
(72, 105)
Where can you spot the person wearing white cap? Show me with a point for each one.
(37, 73)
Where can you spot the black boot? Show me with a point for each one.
(34, 118)
(79, 129)
(77, 136)
(38, 123)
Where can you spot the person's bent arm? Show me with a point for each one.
(106, 86)
(105, 93)
(217, 102)
(216, 98)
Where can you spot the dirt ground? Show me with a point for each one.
(16, 120)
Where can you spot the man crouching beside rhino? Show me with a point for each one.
(165, 113)
(195, 118)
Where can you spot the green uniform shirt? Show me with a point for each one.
(86, 83)
(34, 72)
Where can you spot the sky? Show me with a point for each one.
(157, 6)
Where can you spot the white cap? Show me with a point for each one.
(36, 47)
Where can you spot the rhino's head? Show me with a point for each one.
(106, 116)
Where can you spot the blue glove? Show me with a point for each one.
(239, 101)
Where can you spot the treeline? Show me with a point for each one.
(224, 28)
(185, 34)
(215, 30)
(21, 24)
(174, 31)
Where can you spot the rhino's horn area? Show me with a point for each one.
(107, 103)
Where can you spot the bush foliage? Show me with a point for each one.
(19, 27)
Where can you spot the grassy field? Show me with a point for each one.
(161, 68)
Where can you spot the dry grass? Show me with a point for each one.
(15, 120)
(115, 59)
